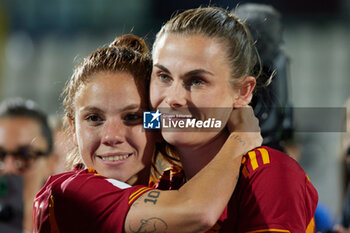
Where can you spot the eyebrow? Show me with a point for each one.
(199, 71)
(162, 68)
(192, 72)
(90, 109)
(126, 108)
(131, 107)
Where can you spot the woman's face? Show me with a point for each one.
(108, 127)
(191, 77)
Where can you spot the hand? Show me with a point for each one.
(242, 122)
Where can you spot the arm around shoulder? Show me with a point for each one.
(198, 204)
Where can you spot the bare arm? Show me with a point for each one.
(197, 205)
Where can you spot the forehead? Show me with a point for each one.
(194, 49)
(20, 131)
(201, 44)
(109, 90)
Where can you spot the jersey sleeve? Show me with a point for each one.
(89, 203)
(276, 196)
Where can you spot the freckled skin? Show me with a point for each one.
(102, 127)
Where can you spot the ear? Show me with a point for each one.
(72, 127)
(245, 92)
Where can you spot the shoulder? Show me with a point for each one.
(265, 158)
(56, 180)
(85, 183)
(63, 182)
(71, 179)
(275, 188)
(88, 195)
(269, 170)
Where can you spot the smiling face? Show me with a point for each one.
(191, 73)
(108, 127)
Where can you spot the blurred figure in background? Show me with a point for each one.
(26, 144)
(344, 226)
(324, 219)
(62, 143)
(271, 103)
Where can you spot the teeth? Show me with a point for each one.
(115, 158)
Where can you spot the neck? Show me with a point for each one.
(141, 178)
(193, 159)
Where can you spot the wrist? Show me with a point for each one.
(238, 139)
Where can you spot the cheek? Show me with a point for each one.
(225, 96)
(86, 141)
(155, 95)
(211, 98)
(144, 144)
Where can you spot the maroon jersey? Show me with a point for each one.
(83, 201)
(273, 194)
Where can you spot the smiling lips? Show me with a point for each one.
(113, 158)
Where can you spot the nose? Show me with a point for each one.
(176, 95)
(10, 165)
(114, 132)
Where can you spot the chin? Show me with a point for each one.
(181, 139)
(189, 139)
(176, 138)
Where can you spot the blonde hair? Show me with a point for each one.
(227, 28)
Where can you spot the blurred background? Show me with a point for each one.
(41, 41)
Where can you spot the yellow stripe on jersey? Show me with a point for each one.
(311, 227)
(253, 161)
(265, 155)
(243, 160)
(140, 190)
(91, 170)
(137, 194)
(268, 230)
(245, 172)
(308, 178)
